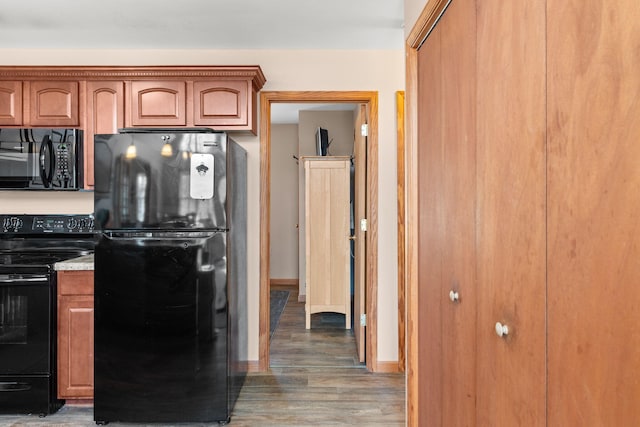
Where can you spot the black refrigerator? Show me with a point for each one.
(170, 275)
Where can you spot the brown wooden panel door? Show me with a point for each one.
(105, 114)
(158, 103)
(75, 334)
(54, 103)
(593, 212)
(75, 351)
(511, 234)
(222, 104)
(11, 103)
(458, 43)
(431, 238)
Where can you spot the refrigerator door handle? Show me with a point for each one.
(158, 235)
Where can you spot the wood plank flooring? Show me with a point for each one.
(326, 344)
(314, 380)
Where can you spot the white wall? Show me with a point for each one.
(412, 10)
(284, 202)
(285, 70)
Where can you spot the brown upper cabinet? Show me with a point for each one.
(39, 103)
(104, 114)
(104, 99)
(158, 103)
(10, 103)
(217, 102)
(54, 103)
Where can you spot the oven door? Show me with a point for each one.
(25, 324)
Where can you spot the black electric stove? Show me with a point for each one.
(30, 245)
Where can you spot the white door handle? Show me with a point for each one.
(454, 296)
(502, 330)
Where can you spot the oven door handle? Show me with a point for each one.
(8, 279)
(14, 386)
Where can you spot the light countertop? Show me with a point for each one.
(82, 263)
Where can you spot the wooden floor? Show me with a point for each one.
(314, 380)
(326, 344)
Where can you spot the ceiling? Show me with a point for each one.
(202, 24)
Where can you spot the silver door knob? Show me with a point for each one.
(454, 296)
(502, 330)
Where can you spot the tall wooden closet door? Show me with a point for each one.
(511, 213)
(447, 219)
(458, 287)
(431, 236)
(594, 213)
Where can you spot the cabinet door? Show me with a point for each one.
(10, 103)
(158, 103)
(75, 350)
(75, 334)
(105, 114)
(511, 240)
(222, 104)
(593, 211)
(54, 103)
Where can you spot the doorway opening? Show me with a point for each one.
(368, 100)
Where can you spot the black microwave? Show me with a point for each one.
(41, 159)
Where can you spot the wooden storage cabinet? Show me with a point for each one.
(11, 103)
(223, 103)
(158, 103)
(40, 103)
(54, 103)
(75, 334)
(327, 231)
(105, 114)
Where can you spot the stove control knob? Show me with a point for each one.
(72, 224)
(11, 224)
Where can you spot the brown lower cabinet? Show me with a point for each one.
(75, 334)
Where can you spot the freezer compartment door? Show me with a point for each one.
(161, 181)
(161, 327)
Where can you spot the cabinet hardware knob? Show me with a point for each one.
(454, 296)
(502, 330)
